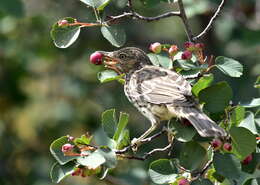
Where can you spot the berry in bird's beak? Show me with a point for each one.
(156, 47)
(96, 58)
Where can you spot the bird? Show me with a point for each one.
(158, 93)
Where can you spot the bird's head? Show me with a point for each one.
(126, 59)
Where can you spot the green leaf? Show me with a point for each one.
(183, 133)
(59, 172)
(249, 122)
(201, 182)
(243, 142)
(253, 103)
(237, 115)
(163, 171)
(123, 120)
(57, 153)
(124, 139)
(84, 139)
(12, 7)
(92, 161)
(109, 122)
(64, 36)
(227, 165)
(114, 34)
(98, 4)
(216, 97)
(257, 82)
(108, 75)
(160, 60)
(229, 66)
(203, 83)
(109, 155)
(192, 155)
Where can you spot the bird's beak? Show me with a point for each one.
(111, 62)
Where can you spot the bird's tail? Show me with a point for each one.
(201, 122)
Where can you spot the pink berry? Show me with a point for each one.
(227, 147)
(67, 148)
(248, 159)
(96, 58)
(63, 22)
(199, 45)
(186, 55)
(216, 144)
(156, 47)
(183, 182)
(173, 50)
(70, 138)
(188, 45)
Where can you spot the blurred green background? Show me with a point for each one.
(46, 92)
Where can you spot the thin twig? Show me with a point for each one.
(147, 155)
(213, 18)
(140, 17)
(185, 20)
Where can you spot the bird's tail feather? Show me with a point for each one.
(201, 122)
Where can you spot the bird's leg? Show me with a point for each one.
(136, 142)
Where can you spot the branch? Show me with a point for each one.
(213, 18)
(185, 20)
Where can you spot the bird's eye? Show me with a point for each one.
(122, 56)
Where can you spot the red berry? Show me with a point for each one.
(216, 144)
(63, 22)
(186, 122)
(188, 45)
(173, 50)
(67, 147)
(183, 182)
(156, 47)
(227, 147)
(96, 58)
(186, 55)
(199, 45)
(248, 159)
(76, 172)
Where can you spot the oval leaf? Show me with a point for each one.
(183, 133)
(243, 142)
(64, 36)
(229, 66)
(192, 156)
(98, 4)
(253, 103)
(109, 122)
(59, 172)
(57, 153)
(203, 83)
(249, 122)
(163, 171)
(216, 97)
(114, 34)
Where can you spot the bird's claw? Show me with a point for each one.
(135, 143)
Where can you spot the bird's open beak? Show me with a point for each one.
(111, 62)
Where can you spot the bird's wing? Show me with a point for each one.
(160, 86)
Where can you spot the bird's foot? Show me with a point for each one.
(135, 143)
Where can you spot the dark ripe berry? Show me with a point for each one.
(156, 47)
(173, 50)
(188, 45)
(76, 172)
(186, 122)
(216, 144)
(96, 58)
(186, 55)
(248, 159)
(67, 147)
(183, 182)
(63, 22)
(227, 147)
(199, 45)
